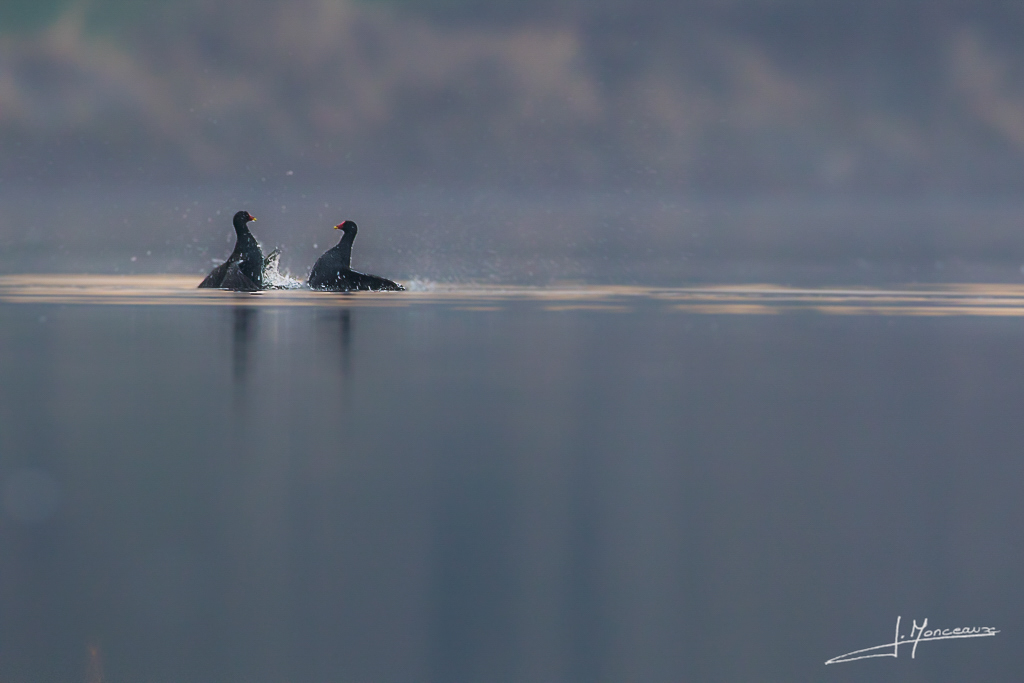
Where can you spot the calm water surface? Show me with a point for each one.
(717, 484)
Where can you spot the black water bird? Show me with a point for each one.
(332, 272)
(243, 271)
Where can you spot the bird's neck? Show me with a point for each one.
(243, 234)
(344, 249)
(244, 239)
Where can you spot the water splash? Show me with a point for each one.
(273, 278)
(417, 285)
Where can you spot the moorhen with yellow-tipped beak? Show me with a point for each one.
(243, 271)
(332, 271)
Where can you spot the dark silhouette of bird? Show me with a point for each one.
(332, 272)
(243, 271)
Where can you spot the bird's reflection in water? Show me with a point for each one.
(337, 326)
(243, 333)
(345, 336)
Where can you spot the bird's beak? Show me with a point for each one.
(338, 226)
(251, 217)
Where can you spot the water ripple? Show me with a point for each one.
(762, 299)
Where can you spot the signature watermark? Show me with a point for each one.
(918, 634)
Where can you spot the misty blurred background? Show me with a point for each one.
(554, 487)
(533, 141)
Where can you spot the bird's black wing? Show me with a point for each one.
(237, 281)
(373, 283)
(216, 277)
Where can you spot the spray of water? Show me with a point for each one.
(420, 285)
(273, 278)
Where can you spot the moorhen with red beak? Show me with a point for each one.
(243, 271)
(332, 271)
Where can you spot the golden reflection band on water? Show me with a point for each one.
(180, 290)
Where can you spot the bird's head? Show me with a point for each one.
(243, 217)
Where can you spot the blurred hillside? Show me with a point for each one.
(727, 96)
